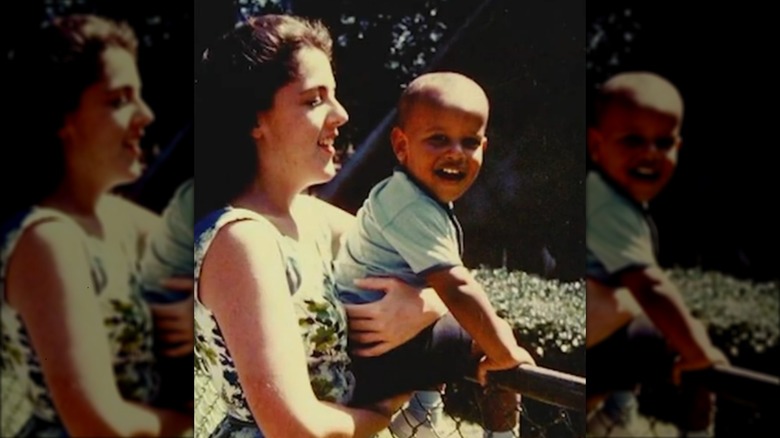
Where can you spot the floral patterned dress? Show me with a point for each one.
(126, 317)
(322, 319)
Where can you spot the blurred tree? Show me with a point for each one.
(611, 32)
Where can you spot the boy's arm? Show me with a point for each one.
(424, 237)
(663, 304)
(469, 304)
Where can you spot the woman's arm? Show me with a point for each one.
(144, 221)
(243, 283)
(52, 291)
(338, 220)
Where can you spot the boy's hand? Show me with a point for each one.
(712, 356)
(517, 357)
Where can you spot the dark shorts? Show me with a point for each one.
(439, 354)
(636, 353)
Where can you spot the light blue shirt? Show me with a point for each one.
(402, 232)
(169, 248)
(618, 235)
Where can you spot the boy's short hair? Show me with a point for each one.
(635, 88)
(424, 89)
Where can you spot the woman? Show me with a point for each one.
(266, 118)
(74, 324)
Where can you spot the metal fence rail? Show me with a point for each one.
(543, 384)
(737, 384)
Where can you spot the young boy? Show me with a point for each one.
(638, 327)
(407, 229)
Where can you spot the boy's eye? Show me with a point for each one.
(665, 143)
(439, 140)
(637, 141)
(634, 141)
(471, 143)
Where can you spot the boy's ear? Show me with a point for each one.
(65, 129)
(400, 144)
(594, 141)
(257, 133)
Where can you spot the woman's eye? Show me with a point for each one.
(120, 101)
(316, 101)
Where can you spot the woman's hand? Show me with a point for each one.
(173, 322)
(399, 316)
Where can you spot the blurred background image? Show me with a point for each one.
(164, 34)
(718, 231)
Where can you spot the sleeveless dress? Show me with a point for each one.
(126, 317)
(322, 318)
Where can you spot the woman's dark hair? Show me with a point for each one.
(237, 78)
(49, 74)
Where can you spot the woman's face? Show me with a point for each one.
(102, 135)
(296, 135)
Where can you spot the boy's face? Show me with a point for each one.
(442, 147)
(636, 147)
